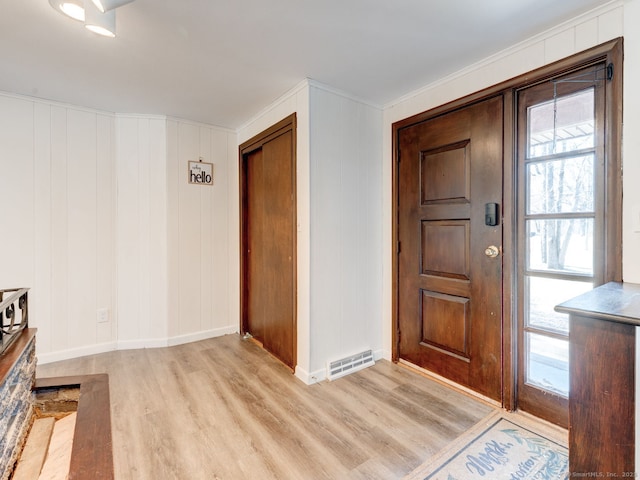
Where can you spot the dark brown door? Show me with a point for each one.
(268, 242)
(449, 286)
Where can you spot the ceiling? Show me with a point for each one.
(220, 62)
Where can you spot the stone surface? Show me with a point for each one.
(16, 408)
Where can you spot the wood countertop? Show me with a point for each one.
(613, 301)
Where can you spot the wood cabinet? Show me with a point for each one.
(602, 358)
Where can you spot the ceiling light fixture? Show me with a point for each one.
(98, 16)
(106, 5)
(101, 23)
(71, 8)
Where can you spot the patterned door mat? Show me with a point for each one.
(502, 446)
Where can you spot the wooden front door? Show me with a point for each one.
(269, 240)
(449, 284)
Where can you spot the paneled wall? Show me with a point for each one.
(141, 238)
(57, 178)
(203, 233)
(102, 217)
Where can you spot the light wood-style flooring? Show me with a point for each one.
(225, 409)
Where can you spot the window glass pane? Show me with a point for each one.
(563, 245)
(543, 294)
(548, 363)
(563, 125)
(560, 186)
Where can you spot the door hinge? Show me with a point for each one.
(398, 247)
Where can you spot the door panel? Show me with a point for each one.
(445, 174)
(437, 237)
(449, 291)
(449, 331)
(269, 242)
(278, 241)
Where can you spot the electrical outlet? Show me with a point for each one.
(103, 315)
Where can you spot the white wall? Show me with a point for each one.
(631, 144)
(203, 234)
(102, 217)
(346, 227)
(141, 238)
(57, 177)
(177, 272)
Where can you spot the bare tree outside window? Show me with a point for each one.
(559, 220)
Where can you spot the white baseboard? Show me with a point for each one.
(142, 343)
(44, 358)
(311, 378)
(381, 355)
(197, 336)
(50, 357)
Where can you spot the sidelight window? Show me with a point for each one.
(559, 229)
(567, 220)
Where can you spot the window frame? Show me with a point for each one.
(607, 264)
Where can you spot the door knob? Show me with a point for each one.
(492, 251)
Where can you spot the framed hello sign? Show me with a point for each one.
(200, 173)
